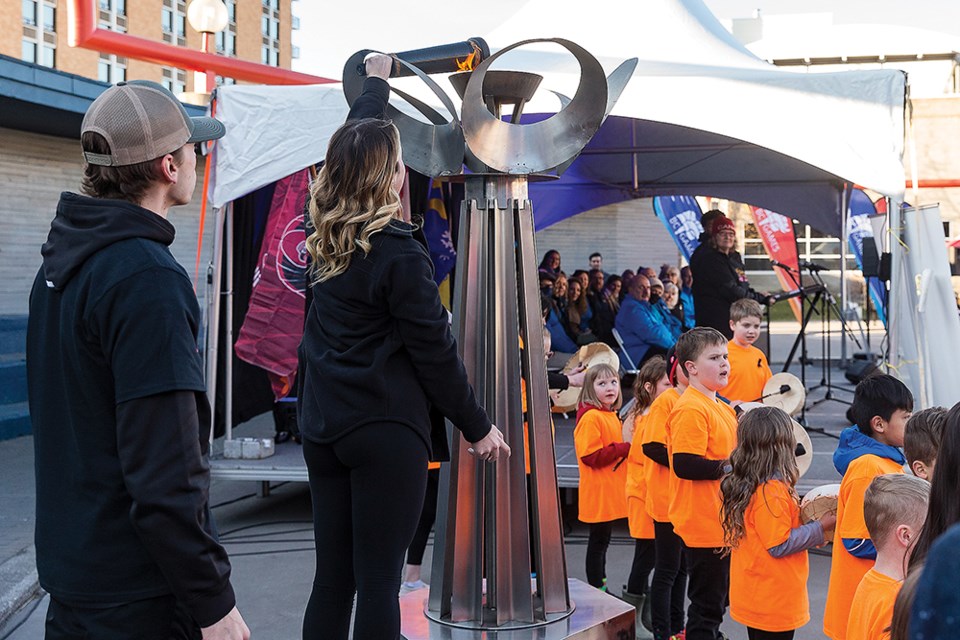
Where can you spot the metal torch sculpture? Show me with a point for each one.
(500, 525)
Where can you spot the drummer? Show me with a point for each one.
(749, 371)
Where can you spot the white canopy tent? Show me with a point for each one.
(706, 116)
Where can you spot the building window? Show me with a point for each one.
(175, 79)
(30, 12)
(227, 43)
(49, 18)
(173, 20)
(111, 69)
(264, 55)
(28, 53)
(232, 11)
(103, 71)
(49, 57)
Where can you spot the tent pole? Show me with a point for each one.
(893, 296)
(633, 156)
(228, 320)
(844, 237)
(213, 328)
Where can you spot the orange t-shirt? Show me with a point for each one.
(657, 476)
(603, 492)
(765, 592)
(846, 571)
(641, 524)
(872, 609)
(749, 371)
(705, 427)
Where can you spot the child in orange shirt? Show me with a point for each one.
(749, 370)
(701, 434)
(881, 407)
(921, 441)
(668, 589)
(761, 522)
(601, 452)
(651, 382)
(894, 507)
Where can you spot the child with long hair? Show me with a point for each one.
(761, 524)
(650, 383)
(601, 451)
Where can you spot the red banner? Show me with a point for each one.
(273, 327)
(778, 237)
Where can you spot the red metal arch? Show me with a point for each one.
(83, 31)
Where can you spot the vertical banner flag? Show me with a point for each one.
(858, 228)
(273, 325)
(436, 228)
(681, 216)
(778, 237)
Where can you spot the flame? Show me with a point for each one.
(468, 62)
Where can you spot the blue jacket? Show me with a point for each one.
(641, 326)
(673, 323)
(935, 607)
(559, 340)
(689, 312)
(853, 445)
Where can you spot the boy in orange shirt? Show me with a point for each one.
(749, 370)
(702, 433)
(895, 507)
(881, 407)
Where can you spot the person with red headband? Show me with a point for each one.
(719, 277)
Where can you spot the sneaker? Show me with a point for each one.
(407, 587)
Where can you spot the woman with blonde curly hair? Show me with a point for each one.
(376, 354)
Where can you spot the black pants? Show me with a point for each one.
(427, 516)
(643, 563)
(758, 634)
(597, 543)
(160, 618)
(708, 587)
(669, 586)
(367, 491)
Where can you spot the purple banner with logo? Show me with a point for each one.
(858, 228)
(681, 216)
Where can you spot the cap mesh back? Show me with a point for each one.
(139, 123)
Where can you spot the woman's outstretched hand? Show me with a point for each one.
(491, 446)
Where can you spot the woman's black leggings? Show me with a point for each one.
(427, 516)
(367, 491)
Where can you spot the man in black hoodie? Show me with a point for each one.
(125, 544)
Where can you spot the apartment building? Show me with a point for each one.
(258, 31)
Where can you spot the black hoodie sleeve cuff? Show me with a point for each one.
(210, 609)
(372, 103)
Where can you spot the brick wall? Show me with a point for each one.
(35, 169)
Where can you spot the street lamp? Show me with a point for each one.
(208, 17)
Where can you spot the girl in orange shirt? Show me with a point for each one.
(651, 382)
(601, 453)
(761, 524)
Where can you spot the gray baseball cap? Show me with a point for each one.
(142, 120)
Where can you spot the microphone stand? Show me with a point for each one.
(801, 340)
(827, 301)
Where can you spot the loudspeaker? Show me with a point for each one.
(857, 370)
(885, 267)
(870, 258)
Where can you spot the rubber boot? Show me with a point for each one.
(646, 615)
(639, 602)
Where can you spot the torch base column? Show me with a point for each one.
(596, 616)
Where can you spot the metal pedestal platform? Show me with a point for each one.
(596, 616)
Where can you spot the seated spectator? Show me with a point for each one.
(595, 289)
(686, 296)
(560, 293)
(579, 313)
(606, 309)
(644, 330)
(625, 279)
(554, 323)
(596, 263)
(551, 262)
(671, 298)
(656, 300)
(670, 273)
(584, 278)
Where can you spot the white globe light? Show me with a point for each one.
(207, 16)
